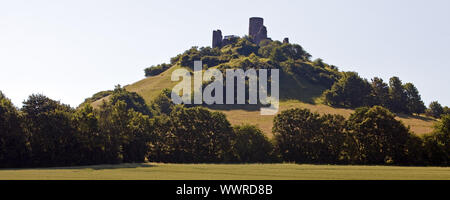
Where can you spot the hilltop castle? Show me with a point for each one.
(257, 32)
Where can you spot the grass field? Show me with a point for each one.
(153, 171)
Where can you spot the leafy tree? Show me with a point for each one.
(193, 135)
(305, 137)
(52, 137)
(380, 138)
(128, 131)
(14, 151)
(437, 144)
(399, 97)
(414, 101)
(435, 109)
(350, 91)
(92, 142)
(252, 145)
(139, 135)
(132, 100)
(380, 92)
(446, 110)
(336, 146)
(162, 104)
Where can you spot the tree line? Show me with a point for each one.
(45, 132)
(352, 91)
(371, 136)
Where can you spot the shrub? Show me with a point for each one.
(156, 70)
(252, 146)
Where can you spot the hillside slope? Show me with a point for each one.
(304, 95)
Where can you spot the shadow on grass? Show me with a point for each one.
(92, 167)
(424, 118)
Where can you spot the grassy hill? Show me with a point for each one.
(297, 94)
(302, 81)
(155, 171)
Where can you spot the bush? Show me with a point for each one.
(252, 146)
(97, 96)
(156, 70)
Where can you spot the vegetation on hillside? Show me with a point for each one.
(45, 132)
(352, 91)
(156, 70)
(301, 78)
(124, 128)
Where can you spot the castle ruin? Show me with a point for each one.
(257, 32)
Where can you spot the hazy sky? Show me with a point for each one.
(69, 50)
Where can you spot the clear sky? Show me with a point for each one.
(69, 50)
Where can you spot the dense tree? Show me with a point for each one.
(437, 144)
(92, 143)
(252, 145)
(14, 151)
(435, 109)
(162, 104)
(137, 138)
(52, 138)
(446, 110)
(132, 100)
(350, 91)
(193, 135)
(380, 138)
(128, 131)
(380, 92)
(399, 98)
(305, 137)
(336, 146)
(414, 101)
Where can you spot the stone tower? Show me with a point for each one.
(217, 39)
(256, 30)
(256, 23)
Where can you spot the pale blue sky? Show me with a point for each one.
(69, 50)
